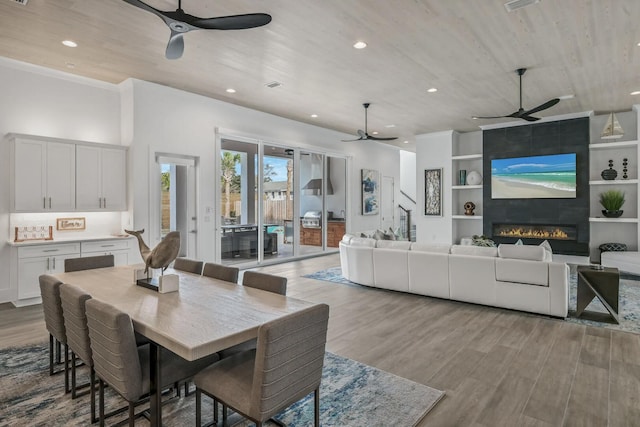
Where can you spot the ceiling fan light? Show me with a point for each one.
(612, 129)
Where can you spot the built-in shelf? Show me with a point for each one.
(612, 145)
(467, 157)
(614, 182)
(466, 216)
(467, 187)
(602, 219)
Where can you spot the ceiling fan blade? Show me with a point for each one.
(144, 6)
(529, 118)
(351, 140)
(175, 47)
(544, 106)
(233, 22)
(489, 117)
(376, 138)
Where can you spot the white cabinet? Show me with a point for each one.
(44, 175)
(101, 178)
(118, 248)
(36, 260)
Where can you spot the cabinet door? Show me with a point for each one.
(61, 176)
(114, 178)
(30, 185)
(29, 271)
(56, 264)
(120, 257)
(88, 177)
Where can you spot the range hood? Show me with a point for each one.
(314, 187)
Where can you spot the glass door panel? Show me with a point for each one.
(311, 203)
(336, 199)
(277, 202)
(238, 180)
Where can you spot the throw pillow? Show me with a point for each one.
(483, 241)
(390, 235)
(519, 242)
(378, 235)
(548, 251)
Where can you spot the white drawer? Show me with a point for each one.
(49, 250)
(104, 246)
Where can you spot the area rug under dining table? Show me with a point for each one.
(629, 305)
(351, 394)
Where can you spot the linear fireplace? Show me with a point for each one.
(535, 231)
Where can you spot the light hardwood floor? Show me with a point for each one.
(498, 367)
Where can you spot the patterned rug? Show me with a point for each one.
(351, 394)
(629, 306)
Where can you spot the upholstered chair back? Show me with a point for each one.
(75, 321)
(266, 282)
(188, 265)
(289, 360)
(52, 307)
(221, 272)
(113, 344)
(88, 263)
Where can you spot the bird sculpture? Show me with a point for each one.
(163, 254)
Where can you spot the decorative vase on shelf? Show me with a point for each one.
(612, 214)
(468, 208)
(462, 178)
(609, 174)
(474, 178)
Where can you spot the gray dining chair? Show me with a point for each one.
(75, 323)
(266, 282)
(123, 365)
(88, 263)
(285, 367)
(188, 265)
(54, 322)
(221, 272)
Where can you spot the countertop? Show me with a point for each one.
(69, 240)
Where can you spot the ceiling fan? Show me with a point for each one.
(363, 134)
(521, 113)
(180, 22)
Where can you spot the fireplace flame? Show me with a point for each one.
(534, 233)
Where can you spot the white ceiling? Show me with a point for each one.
(467, 49)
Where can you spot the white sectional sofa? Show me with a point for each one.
(520, 277)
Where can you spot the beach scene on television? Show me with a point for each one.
(536, 177)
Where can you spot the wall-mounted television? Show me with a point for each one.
(534, 177)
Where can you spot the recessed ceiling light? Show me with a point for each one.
(389, 126)
(570, 96)
(314, 115)
(406, 142)
(635, 92)
(231, 90)
(433, 89)
(638, 44)
(70, 64)
(69, 43)
(374, 132)
(360, 45)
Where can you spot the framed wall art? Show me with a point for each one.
(369, 182)
(65, 224)
(433, 192)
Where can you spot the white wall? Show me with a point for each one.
(169, 120)
(408, 178)
(433, 151)
(40, 101)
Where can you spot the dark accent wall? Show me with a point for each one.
(565, 136)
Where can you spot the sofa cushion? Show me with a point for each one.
(474, 250)
(347, 238)
(548, 251)
(363, 241)
(393, 244)
(441, 248)
(528, 252)
(522, 271)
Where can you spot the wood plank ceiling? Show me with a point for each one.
(468, 50)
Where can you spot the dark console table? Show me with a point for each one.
(604, 284)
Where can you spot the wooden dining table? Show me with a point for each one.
(204, 316)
